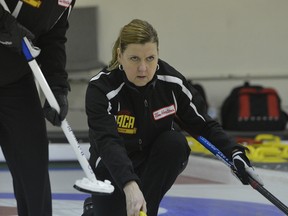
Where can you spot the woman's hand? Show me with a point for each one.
(134, 199)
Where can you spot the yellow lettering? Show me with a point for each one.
(131, 122)
(125, 120)
(119, 120)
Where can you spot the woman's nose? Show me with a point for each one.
(142, 67)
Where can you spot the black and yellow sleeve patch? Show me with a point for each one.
(126, 124)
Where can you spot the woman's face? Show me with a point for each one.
(139, 62)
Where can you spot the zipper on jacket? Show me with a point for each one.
(140, 144)
(146, 105)
(140, 141)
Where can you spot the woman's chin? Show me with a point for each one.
(141, 82)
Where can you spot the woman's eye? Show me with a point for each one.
(151, 58)
(134, 58)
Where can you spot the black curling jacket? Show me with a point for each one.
(48, 22)
(124, 119)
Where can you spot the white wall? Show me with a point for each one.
(209, 38)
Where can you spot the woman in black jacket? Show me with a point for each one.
(23, 137)
(132, 107)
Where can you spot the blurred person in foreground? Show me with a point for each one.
(23, 135)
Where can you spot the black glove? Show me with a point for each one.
(12, 33)
(244, 168)
(50, 113)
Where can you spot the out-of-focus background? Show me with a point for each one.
(219, 44)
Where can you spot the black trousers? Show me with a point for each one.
(167, 158)
(24, 143)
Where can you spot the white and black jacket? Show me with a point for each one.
(124, 119)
